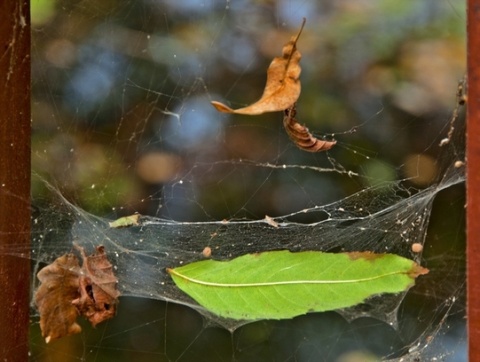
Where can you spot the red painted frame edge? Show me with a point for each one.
(14, 178)
(473, 179)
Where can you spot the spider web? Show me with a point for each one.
(122, 124)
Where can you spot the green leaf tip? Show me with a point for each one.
(282, 284)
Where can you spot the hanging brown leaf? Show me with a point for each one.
(68, 290)
(300, 134)
(283, 86)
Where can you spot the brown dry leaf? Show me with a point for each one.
(68, 290)
(300, 134)
(54, 298)
(98, 287)
(283, 86)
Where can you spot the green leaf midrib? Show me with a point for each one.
(279, 283)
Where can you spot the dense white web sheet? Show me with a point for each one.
(123, 124)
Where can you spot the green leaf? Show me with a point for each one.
(281, 284)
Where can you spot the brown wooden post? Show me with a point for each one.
(473, 179)
(14, 178)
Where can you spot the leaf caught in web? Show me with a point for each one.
(55, 295)
(68, 290)
(282, 284)
(126, 221)
(282, 88)
(300, 134)
(98, 287)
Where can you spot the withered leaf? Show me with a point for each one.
(283, 86)
(300, 134)
(68, 290)
(98, 287)
(54, 298)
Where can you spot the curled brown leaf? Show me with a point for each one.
(98, 287)
(300, 134)
(282, 88)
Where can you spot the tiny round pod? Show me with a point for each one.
(417, 247)
(207, 252)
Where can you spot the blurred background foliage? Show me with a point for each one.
(122, 121)
(121, 95)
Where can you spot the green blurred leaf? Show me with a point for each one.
(42, 11)
(281, 284)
